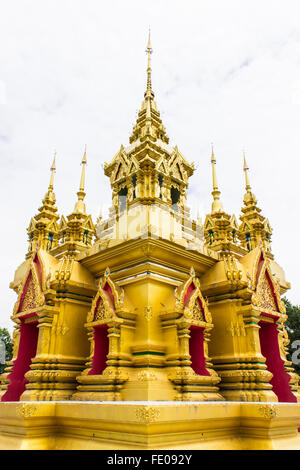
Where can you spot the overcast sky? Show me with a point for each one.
(74, 73)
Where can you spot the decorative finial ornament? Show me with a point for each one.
(83, 163)
(149, 51)
(52, 169)
(246, 169)
(80, 206)
(216, 205)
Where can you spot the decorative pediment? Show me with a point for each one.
(63, 223)
(30, 292)
(189, 299)
(109, 298)
(267, 226)
(115, 291)
(233, 222)
(176, 169)
(133, 165)
(267, 293)
(32, 225)
(208, 223)
(52, 226)
(162, 167)
(88, 224)
(245, 227)
(122, 166)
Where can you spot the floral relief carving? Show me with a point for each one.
(26, 410)
(268, 411)
(264, 297)
(197, 314)
(30, 293)
(100, 312)
(147, 415)
(148, 312)
(145, 375)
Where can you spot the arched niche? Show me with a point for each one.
(196, 315)
(186, 324)
(30, 298)
(273, 336)
(104, 321)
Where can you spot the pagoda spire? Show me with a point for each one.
(246, 169)
(52, 169)
(80, 205)
(255, 228)
(216, 205)
(149, 50)
(149, 125)
(43, 227)
(219, 227)
(78, 230)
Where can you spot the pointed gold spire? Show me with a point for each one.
(43, 228)
(80, 206)
(216, 205)
(246, 169)
(149, 50)
(52, 169)
(83, 163)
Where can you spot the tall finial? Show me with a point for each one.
(80, 206)
(246, 169)
(149, 51)
(52, 169)
(216, 205)
(83, 163)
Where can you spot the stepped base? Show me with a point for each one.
(149, 425)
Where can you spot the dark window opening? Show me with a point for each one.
(123, 198)
(248, 236)
(30, 241)
(175, 196)
(211, 236)
(50, 241)
(160, 182)
(85, 237)
(233, 235)
(133, 179)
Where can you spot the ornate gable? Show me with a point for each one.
(267, 292)
(177, 170)
(162, 167)
(189, 299)
(30, 291)
(108, 300)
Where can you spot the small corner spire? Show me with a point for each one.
(216, 205)
(149, 51)
(83, 163)
(246, 169)
(80, 205)
(52, 169)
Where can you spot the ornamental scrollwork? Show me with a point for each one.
(26, 410)
(147, 415)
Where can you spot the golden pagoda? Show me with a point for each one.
(147, 329)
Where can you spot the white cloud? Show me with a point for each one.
(226, 72)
